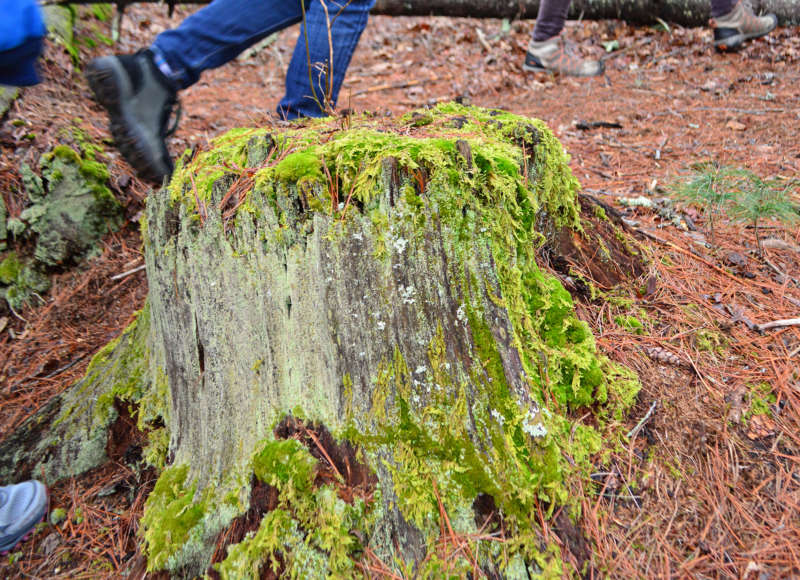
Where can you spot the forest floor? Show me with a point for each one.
(709, 484)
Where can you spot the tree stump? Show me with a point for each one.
(357, 360)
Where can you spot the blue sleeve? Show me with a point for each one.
(20, 21)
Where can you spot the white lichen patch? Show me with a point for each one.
(407, 294)
(400, 245)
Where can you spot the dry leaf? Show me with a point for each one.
(760, 426)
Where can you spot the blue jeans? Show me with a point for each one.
(220, 31)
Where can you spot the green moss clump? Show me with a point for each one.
(299, 167)
(311, 529)
(10, 269)
(171, 513)
(710, 341)
(761, 398)
(23, 280)
(630, 323)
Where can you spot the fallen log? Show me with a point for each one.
(683, 12)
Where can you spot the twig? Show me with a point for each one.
(633, 432)
(129, 272)
(482, 39)
(777, 324)
(390, 86)
(660, 240)
(794, 352)
(64, 368)
(775, 269)
(324, 452)
(15, 313)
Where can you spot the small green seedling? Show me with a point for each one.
(740, 193)
(711, 186)
(759, 199)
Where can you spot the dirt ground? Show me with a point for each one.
(707, 487)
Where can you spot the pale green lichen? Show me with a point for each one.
(23, 280)
(117, 374)
(71, 207)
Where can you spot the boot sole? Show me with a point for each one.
(4, 551)
(529, 68)
(111, 88)
(539, 68)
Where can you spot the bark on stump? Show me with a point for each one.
(353, 351)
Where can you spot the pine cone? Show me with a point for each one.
(664, 356)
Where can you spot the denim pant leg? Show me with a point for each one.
(327, 75)
(217, 33)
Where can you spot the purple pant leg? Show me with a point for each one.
(553, 13)
(721, 7)
(550, 19)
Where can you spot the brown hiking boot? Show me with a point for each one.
(556, 55)
(740, 24)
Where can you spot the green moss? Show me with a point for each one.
(630, 323)
(310, 530)
(57, 516)
(129, 371)
(64, 152)
(28, 281)
(600, 213)
(155, 453)
(283, 463)
(761, 398)
(10, 269)
(171, 513)
(710, 341)
(299, 167)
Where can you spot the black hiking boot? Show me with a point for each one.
(139, 100)
(739, 25)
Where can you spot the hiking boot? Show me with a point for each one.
(740, 24)
(22, 506)
(139, 100)
(555, 55)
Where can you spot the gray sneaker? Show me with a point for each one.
(740, 24)
(22, 506)
(556, 55)
(139, 100)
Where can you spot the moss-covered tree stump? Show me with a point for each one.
(352, 350)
